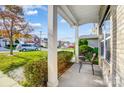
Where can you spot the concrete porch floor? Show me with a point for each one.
(72, 78)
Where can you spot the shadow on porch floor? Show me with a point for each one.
(72, 78)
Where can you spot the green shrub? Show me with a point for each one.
(89, 55)
(36, 72)
(95, 50)
(25, 84)
(96, 61)
(83, 49)
(64, 56)
(83, 42)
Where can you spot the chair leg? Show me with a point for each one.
(92, 68)
(80, 63)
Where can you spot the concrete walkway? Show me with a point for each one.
(72, 78)
(6, 81)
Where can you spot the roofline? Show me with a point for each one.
(86, 37)
(66, 13)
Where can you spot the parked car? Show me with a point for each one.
(26, 47)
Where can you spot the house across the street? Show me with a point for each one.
(92, 40)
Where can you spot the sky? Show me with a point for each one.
(37, 18)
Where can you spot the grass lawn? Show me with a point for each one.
(67, 49)
(8, 63)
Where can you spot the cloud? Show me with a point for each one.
(35, 25)
(32, 8)
(43, 8)
(31, 12)
(63, 21)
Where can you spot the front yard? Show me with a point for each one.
(30, 68)
(8, 62)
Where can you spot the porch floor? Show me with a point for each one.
(72, 77)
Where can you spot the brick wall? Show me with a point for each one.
(119, 31)
(113, 73)
(113, 14)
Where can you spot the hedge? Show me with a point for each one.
(36, 72)
(83, 49)
(83, 42)
(88, 51)
(64, 58)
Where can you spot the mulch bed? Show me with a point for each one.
(63, 67)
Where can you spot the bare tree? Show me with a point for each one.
(12, 20)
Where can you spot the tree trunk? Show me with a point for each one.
(11, 47)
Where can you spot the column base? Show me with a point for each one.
(76, 60)
(52, 84)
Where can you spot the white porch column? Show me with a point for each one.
(99, 33)
(76, 44)
(52, 46)
(104, 45)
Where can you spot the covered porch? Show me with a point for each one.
(72, 78)
(75, 16)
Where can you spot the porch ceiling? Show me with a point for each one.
(79, 14)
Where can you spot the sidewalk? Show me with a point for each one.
(5, 81)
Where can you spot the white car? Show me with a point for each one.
(26, 47)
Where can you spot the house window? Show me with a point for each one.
(105, 43)
(102, 48)
(108, 49)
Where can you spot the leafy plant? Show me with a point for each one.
(64, 56)
(36, 73)
(83, 49)
(83, 42)
(95, 50)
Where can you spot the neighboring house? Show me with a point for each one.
(44, 42)
(92, 40)
(64, 44)
(2, 42)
